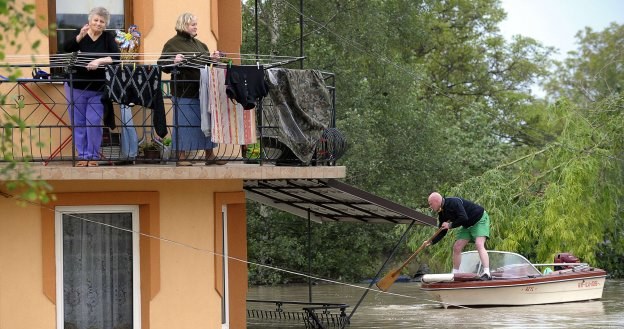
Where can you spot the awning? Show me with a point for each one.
(332, 201)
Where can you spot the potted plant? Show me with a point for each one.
(166, 148)
(150, 150)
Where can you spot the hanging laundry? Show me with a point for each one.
(204, 101)
(302, 105)
(231, 124)
(137, 85)
(246, 85)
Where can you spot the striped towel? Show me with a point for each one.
(231, 124)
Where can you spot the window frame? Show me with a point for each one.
(52, 39)
(225, 299)
(136, 261)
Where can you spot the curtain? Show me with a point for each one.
(97, 271)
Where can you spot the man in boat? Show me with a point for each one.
(472, 222)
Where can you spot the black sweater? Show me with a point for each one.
(459, 212)
(104, 44)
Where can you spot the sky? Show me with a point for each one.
(555, 22)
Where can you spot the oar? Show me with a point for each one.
(385, 282)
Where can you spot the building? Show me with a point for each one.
(173, 274)
(136, 246)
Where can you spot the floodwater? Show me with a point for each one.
(407, 307)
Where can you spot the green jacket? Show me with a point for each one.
(190, 47)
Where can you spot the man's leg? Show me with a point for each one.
(483, 255)
(457, 250)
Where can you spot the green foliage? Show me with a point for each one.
(340, 251)
(16, 174)
(563, 198)
(432, 97)
(594, 71)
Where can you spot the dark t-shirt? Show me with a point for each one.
(104, 46)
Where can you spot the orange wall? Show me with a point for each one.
(21, 285)
(186, 298)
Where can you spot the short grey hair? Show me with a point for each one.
(184, 20)
(100, 11)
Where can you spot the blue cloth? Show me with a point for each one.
(129, 138)
(187, 133)
(85, 113)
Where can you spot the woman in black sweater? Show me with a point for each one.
(96, 48)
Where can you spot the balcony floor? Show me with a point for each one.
(232, 170)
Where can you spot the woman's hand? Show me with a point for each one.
(93, 65)
(216, 55)
(83, 31)
(178, 58)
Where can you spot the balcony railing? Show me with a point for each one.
(43, 106)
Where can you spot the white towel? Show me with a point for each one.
(204, 101)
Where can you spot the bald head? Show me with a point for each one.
(435, 201)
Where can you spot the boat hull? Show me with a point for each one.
(547, 289)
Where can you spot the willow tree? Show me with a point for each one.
(594, 70)
(561, 198)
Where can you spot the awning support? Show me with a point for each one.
(380, 270)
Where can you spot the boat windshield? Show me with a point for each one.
(502, 264)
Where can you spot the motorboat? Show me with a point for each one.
(515, 281)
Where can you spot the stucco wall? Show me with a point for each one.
(165, 15)
(21, 270)
(187, 297)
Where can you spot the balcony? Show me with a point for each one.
(46, 138)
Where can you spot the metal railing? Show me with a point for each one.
(313, 315)
(43, 107)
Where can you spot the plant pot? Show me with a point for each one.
(151, 156)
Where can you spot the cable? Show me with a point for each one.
(211, 252)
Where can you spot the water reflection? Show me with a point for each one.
(411, 308)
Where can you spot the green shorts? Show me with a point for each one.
(481, 228)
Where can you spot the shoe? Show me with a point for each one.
(92, 164)
(213, 161)
(485, 277)
(184, 163)
(82, 163)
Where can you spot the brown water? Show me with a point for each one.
(410, 308)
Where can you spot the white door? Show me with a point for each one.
(97, 267)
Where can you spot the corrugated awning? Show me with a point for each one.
(331, 200)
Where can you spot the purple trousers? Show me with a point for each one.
(86, 115)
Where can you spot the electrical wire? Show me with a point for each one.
(213, 253)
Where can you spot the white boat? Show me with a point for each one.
(516, 281)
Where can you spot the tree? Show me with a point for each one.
(16, 175)
(429, 94)
(594, 71)
(564, 197)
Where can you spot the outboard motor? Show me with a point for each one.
(565, 257)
